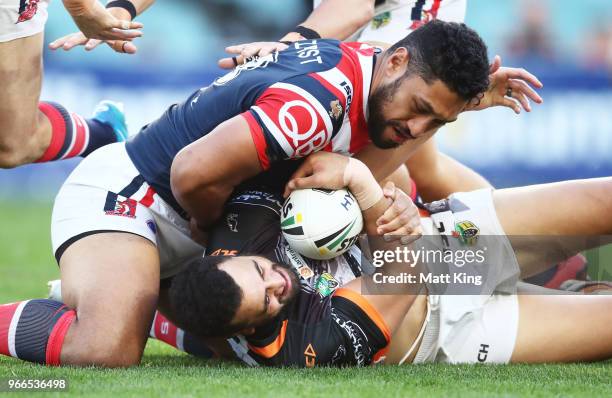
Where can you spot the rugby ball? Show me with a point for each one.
(320, 223)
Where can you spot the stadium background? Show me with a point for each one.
(567, 44)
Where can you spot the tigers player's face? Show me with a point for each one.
(266, 286)
(408, 110)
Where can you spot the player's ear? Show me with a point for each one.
(247, 331)
(398, 62)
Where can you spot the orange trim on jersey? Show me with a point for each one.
(258, 139)
(366, 307)
(274, 347)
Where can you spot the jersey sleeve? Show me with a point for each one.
(291, 120)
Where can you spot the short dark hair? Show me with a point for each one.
(450, 52)
(204, 299)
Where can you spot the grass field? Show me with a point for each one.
(26, 264)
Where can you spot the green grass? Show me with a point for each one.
(26, 264)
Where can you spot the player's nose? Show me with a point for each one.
(275, 283)
(417, 126)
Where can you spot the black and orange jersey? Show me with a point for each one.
(336, 330)
(326, 324)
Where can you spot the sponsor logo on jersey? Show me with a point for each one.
(381, 20)
(232, 222)
(27, 10)
(310, 355)
(116, 205)
(467, 232)
(326, 284)
(336, 110)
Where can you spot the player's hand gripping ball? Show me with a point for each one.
(321, 224)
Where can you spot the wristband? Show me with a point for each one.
(363, 185)
(125, 4)
(307, 33)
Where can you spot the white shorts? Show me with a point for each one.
(106, 193)
(478, 328)
(395, 19)
(459, 332)
(22, 18)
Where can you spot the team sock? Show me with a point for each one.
(72, 135)
(34, 330)
(164, 330)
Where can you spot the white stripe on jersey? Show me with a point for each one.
(366, 73)
(342, 141)
(278, 135)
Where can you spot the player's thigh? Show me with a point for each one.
(20, 79)
(551, 222)
(112, 280)
(579, 207)
(563, 328)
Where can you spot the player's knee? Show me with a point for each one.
(11, 157)
(109, 352)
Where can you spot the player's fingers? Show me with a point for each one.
(521, 86)
(512, 104)
(69, 42)
(312, 181)
(122, 46)
(523, 74)
(250, 51)
(230, 62)
(91, 44)
(236, 49)
(124, 25)
(495, 65)
(119, 34)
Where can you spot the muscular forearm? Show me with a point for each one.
(445, 177)
(323, 19)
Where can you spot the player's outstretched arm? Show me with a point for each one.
(320, 23)
(438, 175)
(205, 172)
(112, 25)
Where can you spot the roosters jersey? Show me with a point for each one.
(311, 97)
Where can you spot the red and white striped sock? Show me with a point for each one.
(164, 330)
(34, 330)
(71, 134)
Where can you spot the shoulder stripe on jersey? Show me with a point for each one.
(258, 139)
(366, 71)
(274, 347)
(280, 137)
(366, 307)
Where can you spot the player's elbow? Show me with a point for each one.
(185, 179)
